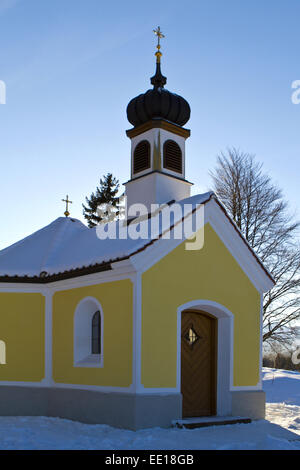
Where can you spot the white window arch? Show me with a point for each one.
(2, 352)
(88, 333)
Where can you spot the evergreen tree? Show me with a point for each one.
(106, 193)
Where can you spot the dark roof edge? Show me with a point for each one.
(77, 272)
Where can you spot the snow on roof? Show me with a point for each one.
(67, 244)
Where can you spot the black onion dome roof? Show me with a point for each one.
(158, 103)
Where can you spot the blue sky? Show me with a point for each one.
(71, 67)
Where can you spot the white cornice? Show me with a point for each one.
(120, 271)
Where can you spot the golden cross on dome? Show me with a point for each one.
(159, 35)
(67, 201)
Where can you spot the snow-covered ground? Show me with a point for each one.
(283, 398)
(281, 429)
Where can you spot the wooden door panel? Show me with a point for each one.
(198, 368)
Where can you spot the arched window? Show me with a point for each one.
(2, 352)
(141, 157)
(88, 333)
(96, 333)
(172, 156)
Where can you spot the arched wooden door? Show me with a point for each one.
(198, 364)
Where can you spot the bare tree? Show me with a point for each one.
(258, 208)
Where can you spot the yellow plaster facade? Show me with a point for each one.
(183, 276)
(22, 329)
(116, 299)
(180, 277)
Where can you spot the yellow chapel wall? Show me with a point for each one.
(116, 299)
(183, 276)
(22, 333)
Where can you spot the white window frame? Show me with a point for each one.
(2, 352)
(82, 339)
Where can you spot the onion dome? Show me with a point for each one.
(158, 103)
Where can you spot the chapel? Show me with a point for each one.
(137, 331)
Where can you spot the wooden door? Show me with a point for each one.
(198, 364)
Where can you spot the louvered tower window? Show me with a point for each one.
(172, 156)
(141, 157)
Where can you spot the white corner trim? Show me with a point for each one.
(48, 380)
(2, 353)
(260, 383)
(137, 333)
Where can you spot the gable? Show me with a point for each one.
(213, 263)
(215, 215)
(182, 276)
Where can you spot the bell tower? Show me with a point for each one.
(157, 143)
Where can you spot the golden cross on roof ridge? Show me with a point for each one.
(67, 201)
